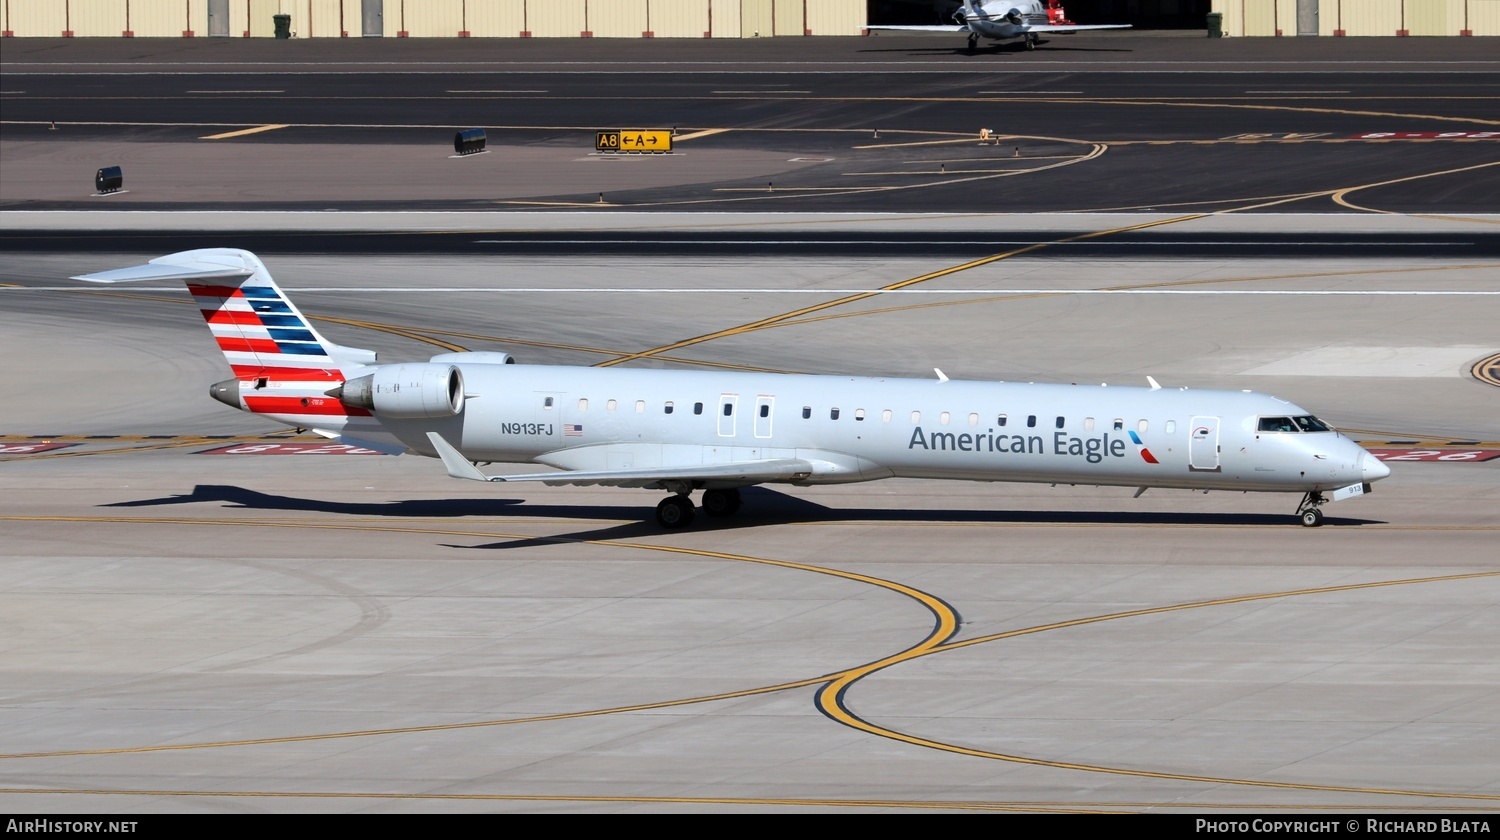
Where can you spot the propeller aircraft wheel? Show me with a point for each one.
(1312, 517)
(675, 512)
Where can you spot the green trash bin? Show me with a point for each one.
(1215, 25)
(283, 26)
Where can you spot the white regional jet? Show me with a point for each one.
(1001, 20)
(680, 430)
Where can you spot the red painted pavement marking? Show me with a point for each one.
(289, 449)
(1427, 135)
(31, 448)
(1450, 455)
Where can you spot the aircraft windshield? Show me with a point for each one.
(1309, 423)
(1304, 423)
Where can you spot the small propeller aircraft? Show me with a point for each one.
(1002, 20)
(718, 431)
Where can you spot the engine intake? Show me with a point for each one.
(408, 390)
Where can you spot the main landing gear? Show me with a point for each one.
(676, 511)
(1308, 510)
(973, 41)
(1030, 41)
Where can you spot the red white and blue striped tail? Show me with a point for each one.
(268, 342)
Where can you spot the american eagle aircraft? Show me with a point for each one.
(1001, 20)
(716, 431)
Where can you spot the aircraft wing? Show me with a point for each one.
(1065, 28)
(951, 27)
(741, 472)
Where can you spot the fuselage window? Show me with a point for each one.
(765, 410)
(916, 417)
(806, 412)
(728, 408)
(697, 408)
(885, 416)
(833, 414)
(1170, 427)
(583, 404)
(973, 419)
(1031, 421)
(1000, 421)
(547, 403)
(1276, 424)
(1309, 423)
(943, 418)
(1061, 422)
(1088, 424)
(667, 408)
(611, 405)
(859, 414)
(1142, 426)
(640, 406)
(1119, 425)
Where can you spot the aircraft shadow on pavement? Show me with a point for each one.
(762, 507)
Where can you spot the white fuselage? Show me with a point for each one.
(863, 428)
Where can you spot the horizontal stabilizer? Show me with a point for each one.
(202, 264)
(170, 271)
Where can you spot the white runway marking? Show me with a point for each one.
(987, 242)
(660, 291)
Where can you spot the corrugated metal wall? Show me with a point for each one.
(1363, 17)
(619, 18)
(788, 17)
(679, 18)
(835, 18)
(430, 19)
(662, 18)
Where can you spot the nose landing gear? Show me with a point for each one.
(1308, 510)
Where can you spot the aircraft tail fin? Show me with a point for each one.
(262, 334)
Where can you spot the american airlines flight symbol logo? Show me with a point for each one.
(1145, 453)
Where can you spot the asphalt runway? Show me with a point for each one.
(891, 123)
(191, 624)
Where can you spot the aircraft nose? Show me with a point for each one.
(1373, 468)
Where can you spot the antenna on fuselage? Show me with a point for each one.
(942, 377)
(1154, 385)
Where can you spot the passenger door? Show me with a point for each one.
(1203, 444)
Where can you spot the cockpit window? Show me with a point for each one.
(1276, 424)
(1309, 423)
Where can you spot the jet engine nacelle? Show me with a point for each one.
(408, 390)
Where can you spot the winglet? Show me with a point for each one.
(1154, 385)
(458, 466)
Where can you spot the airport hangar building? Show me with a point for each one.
(702, 18)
